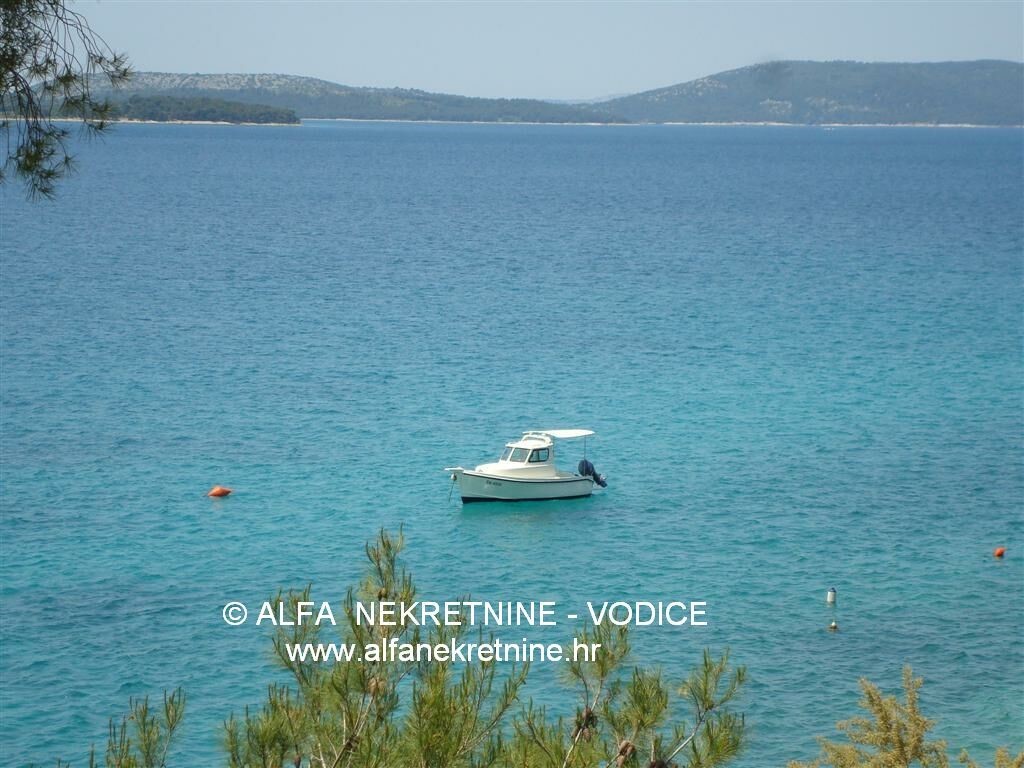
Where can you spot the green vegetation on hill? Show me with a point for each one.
(798, 92)
(810, 92)
(165, 108)
(402, 104)
(312, 98)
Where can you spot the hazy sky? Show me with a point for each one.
(551, 50)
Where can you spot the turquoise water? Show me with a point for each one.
(801, 351)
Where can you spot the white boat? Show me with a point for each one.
(526, 471)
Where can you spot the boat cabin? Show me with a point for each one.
(530, 449)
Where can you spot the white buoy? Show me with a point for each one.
(833, 627)
(830, 598)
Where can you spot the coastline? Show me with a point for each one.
(201, 122)
(683, 124)
(128, 120)
(738, 123)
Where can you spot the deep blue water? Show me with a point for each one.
(801, 350)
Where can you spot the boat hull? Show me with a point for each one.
(477, 486)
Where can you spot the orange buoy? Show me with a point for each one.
(1000, 551)
(218, 491)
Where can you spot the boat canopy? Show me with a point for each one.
(561, 434)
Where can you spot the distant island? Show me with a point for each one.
(839, 92)
(786, 92)
(309, 97)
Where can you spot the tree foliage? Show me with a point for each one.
(142, 738)
(1003, 759)
(442, 714)
(362, 712)
(49, 61)
(895, 734)
(380, 713)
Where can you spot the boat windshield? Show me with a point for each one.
(521, 454)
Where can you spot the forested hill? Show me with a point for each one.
(809, 92)
(197, 108)
(312, 98)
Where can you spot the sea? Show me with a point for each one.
(800, 349)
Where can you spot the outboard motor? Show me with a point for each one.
(586, 469)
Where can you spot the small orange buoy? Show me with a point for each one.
(1000, 551)
(218, 491)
